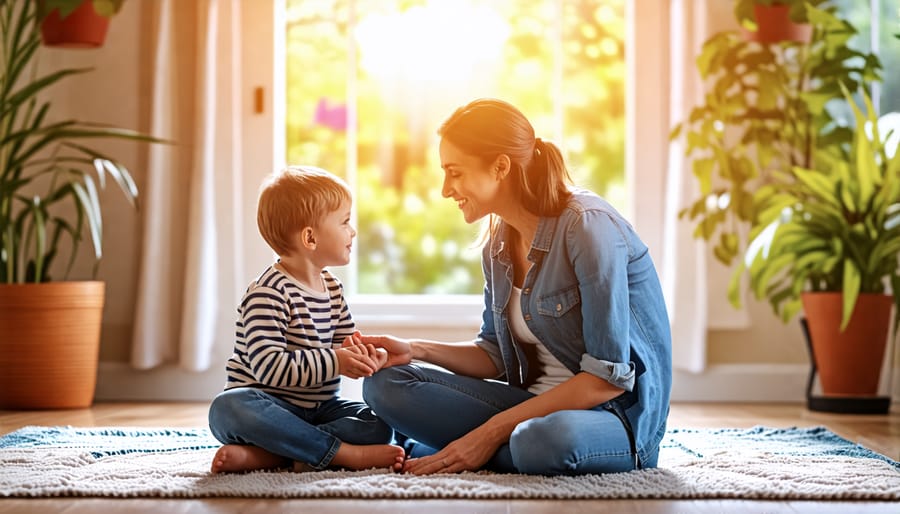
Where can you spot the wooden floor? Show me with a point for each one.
(880, 433)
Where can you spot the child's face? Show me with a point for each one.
(334, 237)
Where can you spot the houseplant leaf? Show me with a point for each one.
(48, 165)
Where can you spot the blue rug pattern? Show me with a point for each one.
(699, 443)
(796, 442)
(757, 463)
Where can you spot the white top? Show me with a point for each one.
(553, 372)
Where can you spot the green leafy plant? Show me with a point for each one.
(48, 190)
(835, 228)
(767, 109)
(102, 7)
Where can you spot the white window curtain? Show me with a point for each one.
(695, 284)
(191, 210)
(684, 258)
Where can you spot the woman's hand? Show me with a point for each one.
(399, 351)
(468, 453)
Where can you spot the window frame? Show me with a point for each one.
(264, 133)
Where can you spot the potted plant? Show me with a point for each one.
(76, 23)
(767, 109)
(49, 204)
(768, 117)
(828, 243)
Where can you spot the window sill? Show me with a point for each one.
(432, 311)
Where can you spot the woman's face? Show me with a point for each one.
(469, 181)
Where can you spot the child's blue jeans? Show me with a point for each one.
(312, 436)
(434, 407)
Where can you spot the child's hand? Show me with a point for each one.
(355, 362)
(355, 343)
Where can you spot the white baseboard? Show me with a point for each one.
(751, 383)
(719, 383)
(120, 382)
(742, 383)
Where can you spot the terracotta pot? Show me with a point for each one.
(82, 28)
(774, 25)
(49, 344)
(849, 362)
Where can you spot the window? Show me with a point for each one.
(578, 104)
(878, 22)
(369, 82)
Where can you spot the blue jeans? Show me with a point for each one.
(435, 407)
(312, 436)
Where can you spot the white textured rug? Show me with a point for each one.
(759, 463)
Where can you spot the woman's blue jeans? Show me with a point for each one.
(312, 436)
(435, 407)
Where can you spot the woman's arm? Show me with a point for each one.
(461, 358)
(473, 450)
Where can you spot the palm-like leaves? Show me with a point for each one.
(43, 165)
(836, 229)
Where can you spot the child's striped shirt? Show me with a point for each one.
(286, 336)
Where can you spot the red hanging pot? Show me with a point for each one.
(774, 24)
(82, 28)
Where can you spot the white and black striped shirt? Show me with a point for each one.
(286, 336)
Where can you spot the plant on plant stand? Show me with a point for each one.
(764, 111)
(49, 204)
(829, 243)
(769, 110)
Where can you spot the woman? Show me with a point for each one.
(574, 330)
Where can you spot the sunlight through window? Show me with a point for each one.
(368, 84)
(440, 43)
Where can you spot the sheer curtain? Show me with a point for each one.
(191, 246)
(684, 258)
(695, 284)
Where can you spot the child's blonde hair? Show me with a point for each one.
(294, 198)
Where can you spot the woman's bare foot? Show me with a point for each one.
(237, 457)
(365, 456)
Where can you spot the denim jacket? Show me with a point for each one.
(593, 298)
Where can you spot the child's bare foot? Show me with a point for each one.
(238, 457)
(365, 456)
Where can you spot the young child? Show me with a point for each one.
(280, 406)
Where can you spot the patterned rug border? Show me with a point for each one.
(757, 463)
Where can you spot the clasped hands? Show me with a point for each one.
(358, 359)
(368, 353)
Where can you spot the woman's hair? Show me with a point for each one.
(487, 128)
(294, 198)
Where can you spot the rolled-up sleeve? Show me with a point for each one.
(619, 374)
(493, 351)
